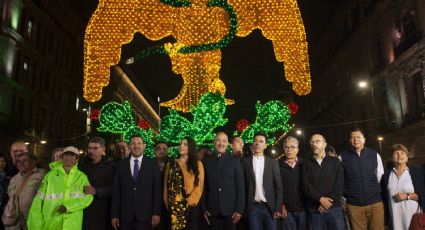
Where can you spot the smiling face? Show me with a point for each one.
(357, 140)
(137, 146)
(183, 148)
(400, 157)
(69, 159)
(221, 142)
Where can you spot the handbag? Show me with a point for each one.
(418, 220)
(12, 213)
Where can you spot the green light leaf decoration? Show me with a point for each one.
(271, 117)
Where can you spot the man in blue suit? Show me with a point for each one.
(136, 193)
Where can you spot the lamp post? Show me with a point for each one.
(363, 85)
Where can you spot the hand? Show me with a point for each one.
(277, 215)
(400, 196)
(89, 190)
(62, 209)
(206, 216)
(321, 209)
(326, 202)
(155, 220)
(284, 212)
(115, 223)
(236, 217)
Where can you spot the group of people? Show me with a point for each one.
(207, 188)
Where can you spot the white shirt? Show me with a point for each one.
(380, 168)
(401, 212)
(258, 166)
(132, 163)
(319, 160)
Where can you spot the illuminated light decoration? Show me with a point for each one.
(118, 118)
(196, 23)
(144, 124)
(241, 125)
(207, 116)
(293, 107)
(271, 117)
(147, 135)
(94, 114)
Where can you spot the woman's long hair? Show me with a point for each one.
(192, 160)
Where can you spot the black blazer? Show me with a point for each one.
(223, 186)
(139, 200)
(418, 180)
(272, 184)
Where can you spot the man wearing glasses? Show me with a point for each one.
(293, 208)
(100, 171)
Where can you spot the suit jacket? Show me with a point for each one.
(139, 200)
(223, 186)
(272, 184)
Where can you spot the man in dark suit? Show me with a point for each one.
(263, 187)
(136, 193)
(224, 195)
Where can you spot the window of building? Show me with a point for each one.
(29, 28)
(415, 95)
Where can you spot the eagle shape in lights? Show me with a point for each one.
(200, 28)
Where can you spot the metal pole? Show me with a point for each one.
(374, 105)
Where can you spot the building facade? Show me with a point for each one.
(41, 75)
(382, 44)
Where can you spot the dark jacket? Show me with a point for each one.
(223, 186)
(272, 184)
(136, 201)
(325, 180)
(101, 177)
(418, 180)
(293, 196)
(361, 183)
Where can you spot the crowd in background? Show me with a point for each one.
(211, 187)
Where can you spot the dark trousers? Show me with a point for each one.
(193, 218)
(295, 221)
(145, 225)
(260, 218)
(332, 219)
(222, 223)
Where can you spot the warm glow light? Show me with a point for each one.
(299, 132)
(43, 142)
(362, 84)
(27, 143)
(115, 22)
(380, 138)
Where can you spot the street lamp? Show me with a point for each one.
(299, 132)
(363, 85)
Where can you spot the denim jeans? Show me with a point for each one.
(295, 221)
(260, 218)
(332, 219)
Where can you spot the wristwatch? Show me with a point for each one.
(408, 196)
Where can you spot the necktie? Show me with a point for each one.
(136, 170)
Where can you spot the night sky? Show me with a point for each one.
(249, 70)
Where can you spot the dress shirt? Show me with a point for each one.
(132, 163)
(258, 165)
